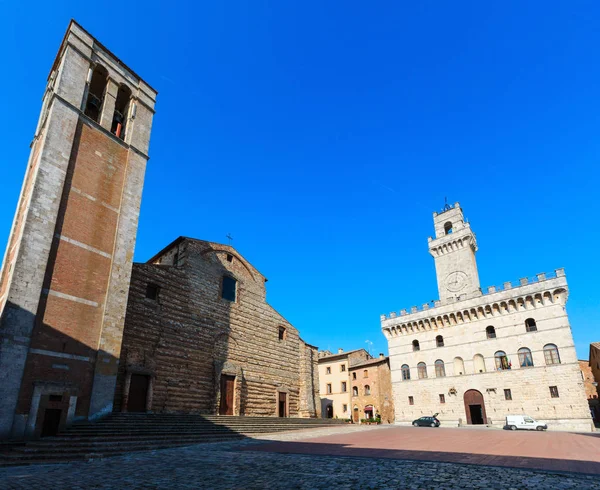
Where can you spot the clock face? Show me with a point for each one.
(455, 281)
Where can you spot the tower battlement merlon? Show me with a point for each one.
(511, 290)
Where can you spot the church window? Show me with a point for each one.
(448, 228)
(416, 345)
(422, 370)
(530, 325)
(96, 90)
(282, 333)
(507, 394)
(152, 292)
(354, 391)
(411, 400)
(459, 366)
(525, 359)
(551, 354)
(121, 109)
(328, 388)
(440, 370)
(554, 391)
(502, 361)
(439, 341)
(442, 398)
(228, 289)
(367, 390)
(229, 258)
(490, 332)
(405, 372)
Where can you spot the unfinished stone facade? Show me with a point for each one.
(65, 274)
(476, 357)
(372, 390)
(200, 337)
(334, 376)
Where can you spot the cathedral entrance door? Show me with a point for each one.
(282, 404)
(475, 407)
(226, 405)
(138, 393)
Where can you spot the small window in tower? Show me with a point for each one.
(282, 333)
(152, 292)
(96, 90)
(442, 398)
(229, 258)
(411, 400)
(228, 289)
(507, 394)
(121, 110)
(448, 228)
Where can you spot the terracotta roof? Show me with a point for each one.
(340, 355)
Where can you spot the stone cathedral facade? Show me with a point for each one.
(476, 356)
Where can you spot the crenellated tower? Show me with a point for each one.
(66, 271)
(453, 250)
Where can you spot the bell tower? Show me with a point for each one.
(453, 250)
(65, 276)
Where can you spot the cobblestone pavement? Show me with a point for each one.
(225, 466)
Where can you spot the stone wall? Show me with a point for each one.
(378, 379)
(186, 339)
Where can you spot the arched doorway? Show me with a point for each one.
(475, 408)
(329, 411)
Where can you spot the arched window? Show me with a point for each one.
(490, 332)
(478, 363)
(530, 325)
(416, 345)
(440, 370)
(354, 391)
(96, 90)
(551, 354)
(121, 110)
(439, 341)
(459, 366)
(501, 360)
(405, 372)
(367, 390)
(422, 370)
(525, 359)
(448, 228)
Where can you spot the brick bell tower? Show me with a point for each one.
(66, 271)
(453, 250)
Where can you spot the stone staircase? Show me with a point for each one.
(121, 433)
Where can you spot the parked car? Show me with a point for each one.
(426, 422)
(514, 422)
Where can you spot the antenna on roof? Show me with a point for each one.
(369, 345)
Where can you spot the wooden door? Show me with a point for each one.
(475, 407)
(355, 415)
(226, 404)
(282, 404)
(138, 393)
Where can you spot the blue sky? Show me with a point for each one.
(322, 137)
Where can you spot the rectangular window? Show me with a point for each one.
(152, 292)
(411, 400)
(365, 374)
(229, 258)
(344, 408)
(228, 289)
(442, 398)
(329, 388)
(343, 368)
(282, 333)
(507, 395)
(344, 387)
(554, 391)
(328, 370)
(353, 375)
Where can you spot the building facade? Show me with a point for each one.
(591, 389)
(371, 382)
(475, 357)
(200, 337)
(594, 366)
(334, 378)
(66, 270)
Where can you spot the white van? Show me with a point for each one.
(514, 422)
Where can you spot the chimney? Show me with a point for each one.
(381, 356)
(340, 351)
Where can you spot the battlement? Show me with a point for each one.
(506, 286)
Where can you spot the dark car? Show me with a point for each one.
(426, 422)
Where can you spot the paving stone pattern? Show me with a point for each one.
(224, 466)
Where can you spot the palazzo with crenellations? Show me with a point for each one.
(476, 356)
